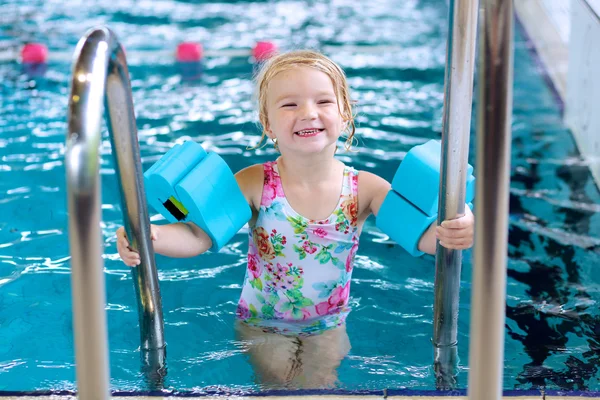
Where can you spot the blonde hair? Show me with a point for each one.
(312, 59)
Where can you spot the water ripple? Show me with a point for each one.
(186, 275)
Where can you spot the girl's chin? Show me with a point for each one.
(314, 147)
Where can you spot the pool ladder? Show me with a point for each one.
(100, 72)
(100, 76)
(494, 115)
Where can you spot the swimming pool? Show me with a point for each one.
(552, 318)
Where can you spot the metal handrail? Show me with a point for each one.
(494, 116)
(458, 99)
(100, 75)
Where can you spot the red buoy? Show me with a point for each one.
(263, 51)
(34, 53)
(189, 52)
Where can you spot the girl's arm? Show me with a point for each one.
(427, 243)
(189, 240)
(181, 240)
(372, 190)
(173, 240)
(378, 188)
(250, 181)
(453, 234)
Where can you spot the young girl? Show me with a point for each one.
(308, 210)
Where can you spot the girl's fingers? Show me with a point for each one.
(455, 238)
(461, 222)
(456, 233)
(461, 244)
(453, 224)
(122, 237)
(132, 261)
(458, 240)
(129, 257)
(446, 233)
(457, 245)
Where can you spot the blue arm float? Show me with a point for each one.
(409, 230)
(412, 204)
(189, 185)
(418, 177)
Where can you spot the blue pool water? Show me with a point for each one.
(553, 323)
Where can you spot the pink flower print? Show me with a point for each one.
(282, 269)
(337, 300)
(305, 313)
(242, 311)
(272, 187)
(351, 255)
(254, 265)
(280, 282)
(280, 278)
(287, 283)
(309, 248)
(320, 232)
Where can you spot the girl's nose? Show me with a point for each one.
(309, 111)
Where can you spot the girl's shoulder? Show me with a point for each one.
(372, 189)
(369, 181)
(250, 180)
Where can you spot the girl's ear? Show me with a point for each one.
(268, 131)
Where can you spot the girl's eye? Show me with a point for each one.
(325, 102)
(288, 105)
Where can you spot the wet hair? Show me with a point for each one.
(311, 59)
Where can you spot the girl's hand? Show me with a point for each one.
(131, 258)
(457, 233)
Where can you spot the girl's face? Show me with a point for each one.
(302, 110)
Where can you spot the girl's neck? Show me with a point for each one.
(301, 170)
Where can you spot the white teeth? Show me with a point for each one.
(308, 132)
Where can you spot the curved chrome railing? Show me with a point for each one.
(100, 75)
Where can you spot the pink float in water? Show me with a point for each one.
(34, 53)
(189, 52)
(263, 51)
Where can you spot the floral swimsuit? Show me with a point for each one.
(298, 276)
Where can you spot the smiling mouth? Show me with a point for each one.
(309, 132)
